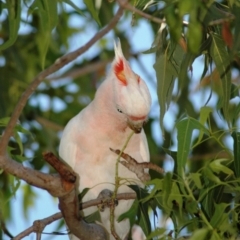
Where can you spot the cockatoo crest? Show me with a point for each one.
(132, 95)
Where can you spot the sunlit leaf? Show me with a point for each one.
(215, 236)
(196, 178)
(200, 234)
(211, 176)
(217, 166)
(204, 115)
(156, 233)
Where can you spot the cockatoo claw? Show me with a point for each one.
(106, 196)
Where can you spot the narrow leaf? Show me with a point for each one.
(74, 6)
(166, 74)
(48, 15)
(14, 14)
(92, 10)
(220, 56)
(204, 115)
(236, 149)
(184, 135)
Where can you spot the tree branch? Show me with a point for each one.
(131, 8)
(57, 216)
(59, 63)
(81, 71)
(51, 183)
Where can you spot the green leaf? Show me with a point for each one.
(211, 176)
(191, 206)
(176, 196)
(83, 193)
(217, 166)
(236, 42)
(219, 217)
(200, 234)
(187, 61)
(194, 36)
(155, 185)
(186, 6)
(156, 233)
(196, 178)
(130, 214)
(204, 115)
(144, 221)
(19, 141)
(215, 236)
(166, 73)
(92, 10)
(236, 149)
(93, 217)
(48, 15)
(4, 121)
(143, 218)
(167, 189)
(74, 6)
(220, 56)
(185, 128)
(14, 14)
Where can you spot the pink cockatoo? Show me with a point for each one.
(121, 105)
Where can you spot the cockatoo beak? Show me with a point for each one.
(135, 126)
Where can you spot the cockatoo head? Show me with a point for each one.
(132, 97)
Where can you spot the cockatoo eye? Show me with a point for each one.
(119, 110)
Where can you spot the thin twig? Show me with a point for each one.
(221, 21)
(128, 6)
(57, 216)
(59, 63)
(96, 66)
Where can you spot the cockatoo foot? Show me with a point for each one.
(106, 196)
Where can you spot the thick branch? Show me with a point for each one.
(51, 183)
(85, 231)
(59, 63)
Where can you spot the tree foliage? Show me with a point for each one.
(196, 47)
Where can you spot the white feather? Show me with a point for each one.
(88, 136)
